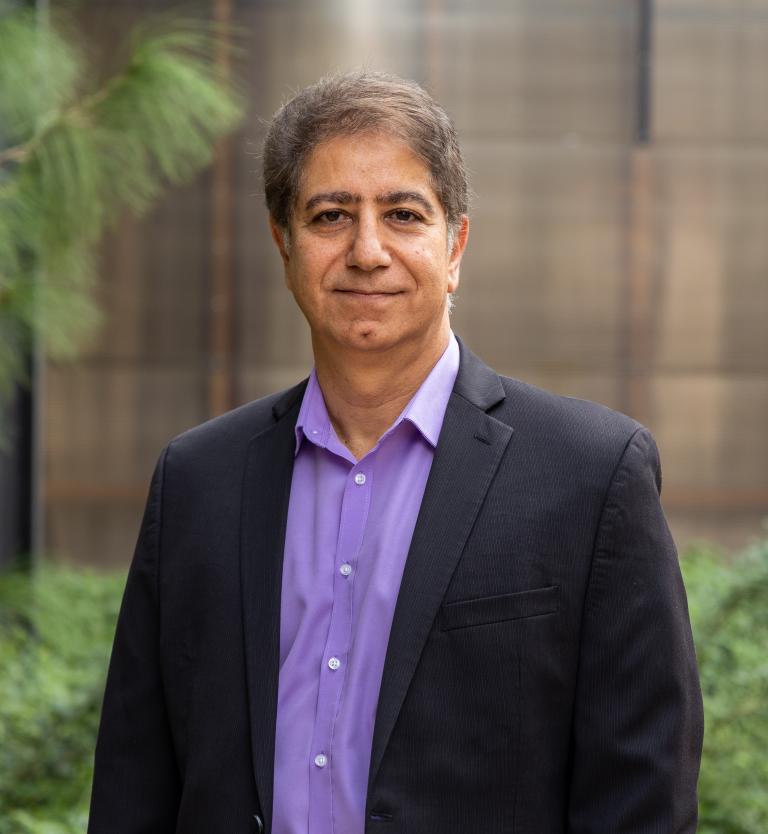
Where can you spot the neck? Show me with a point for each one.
(365, 392)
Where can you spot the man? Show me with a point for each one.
(407, 595)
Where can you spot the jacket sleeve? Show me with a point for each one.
(637, 726)
(136, 784)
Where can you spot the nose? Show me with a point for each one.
(367, 250)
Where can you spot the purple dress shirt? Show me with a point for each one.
(349, 529)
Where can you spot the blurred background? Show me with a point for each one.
(618, 152)
(618, 250)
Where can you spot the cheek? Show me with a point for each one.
(425, 263)
(434, 272)
(313, 268)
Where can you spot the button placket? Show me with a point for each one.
(354, 516)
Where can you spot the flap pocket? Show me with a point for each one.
(496, 609)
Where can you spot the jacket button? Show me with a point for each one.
(259, 823)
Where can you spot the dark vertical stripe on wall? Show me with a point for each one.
(643, 124)
(16, 478)
(221, 312)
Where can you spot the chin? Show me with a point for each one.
(368, 337)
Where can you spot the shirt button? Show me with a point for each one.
(359, 479)
(345, 569)
(321, 760)
(334, 663)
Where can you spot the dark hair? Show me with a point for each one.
(357, 102)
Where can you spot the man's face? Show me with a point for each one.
(368, 260)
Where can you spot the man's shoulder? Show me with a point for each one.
(235, 429)
(547, 420)
(570, 422)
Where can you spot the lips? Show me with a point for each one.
(373, 293)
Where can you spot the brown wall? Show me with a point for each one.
(634, 274)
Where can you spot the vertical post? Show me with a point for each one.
(221, 372)
(644, 72)
(432, 71)
(637, 295)
(16, 479)
(21, 462)
(36, 416)
(37, 387)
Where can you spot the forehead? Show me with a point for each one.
(365, 163)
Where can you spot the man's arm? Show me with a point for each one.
(136, 783)
(637, 726)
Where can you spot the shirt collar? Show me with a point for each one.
(313, 422)
(427, 407)
(425, 410)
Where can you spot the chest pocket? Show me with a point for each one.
(497, 609)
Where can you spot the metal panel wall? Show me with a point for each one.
(623, 265)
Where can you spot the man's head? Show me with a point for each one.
(367, 196)
(355, 103)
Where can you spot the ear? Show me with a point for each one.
(459, 245)
(278, 235)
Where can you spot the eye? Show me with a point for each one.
(329, 217)
(404, 215)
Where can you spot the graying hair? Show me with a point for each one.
(358, 102)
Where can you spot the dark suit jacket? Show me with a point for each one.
(540, 676)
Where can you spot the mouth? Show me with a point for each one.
(370, 294)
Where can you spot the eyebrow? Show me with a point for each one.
(342, 198)
(394, 197)
(345, 198)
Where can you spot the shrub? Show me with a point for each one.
(55, 636)
(729, 613)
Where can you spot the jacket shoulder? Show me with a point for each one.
(233, 431)
(583, 427)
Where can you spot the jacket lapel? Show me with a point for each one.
(265, 496)
(468, 453)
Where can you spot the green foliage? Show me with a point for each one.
(75, 157)
(56, 630)
(32, 58)
(729, 612)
